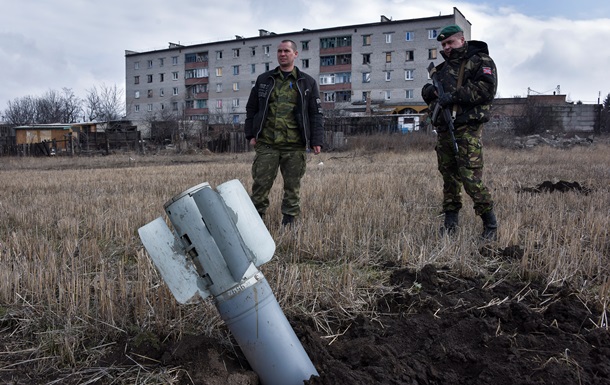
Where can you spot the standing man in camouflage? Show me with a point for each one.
(469, 81)
(283, 119)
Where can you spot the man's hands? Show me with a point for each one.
(446, 99)
(428, 92)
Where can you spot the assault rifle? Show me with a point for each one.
(447, 115)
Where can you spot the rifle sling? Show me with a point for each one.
(460, 79)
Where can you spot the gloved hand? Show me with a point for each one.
(428, 92)
(446, 99)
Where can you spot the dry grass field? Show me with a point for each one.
(77, 286)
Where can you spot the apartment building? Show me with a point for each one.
(361, 69)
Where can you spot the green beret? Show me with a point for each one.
(448, 31)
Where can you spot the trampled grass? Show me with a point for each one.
(73, 271)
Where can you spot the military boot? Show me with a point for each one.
(287, 220)
(451, 222)
(490, 226)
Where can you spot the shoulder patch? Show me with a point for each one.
(487, 71)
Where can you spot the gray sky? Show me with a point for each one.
(78, 44)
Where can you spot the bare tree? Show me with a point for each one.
(52, 107)
(21, 111)
(536, 118)
(104, 104)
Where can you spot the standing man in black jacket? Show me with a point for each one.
(283, 119)
(469, 80)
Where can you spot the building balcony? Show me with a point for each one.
(336, 68)
(335, 50)
(198, 64)
(194, 81)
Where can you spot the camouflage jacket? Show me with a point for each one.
(308, 112)
(479, 84)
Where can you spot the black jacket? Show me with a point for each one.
(308, 113)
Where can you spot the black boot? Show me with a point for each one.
(287, 220)
(490, 226)
(451, 222)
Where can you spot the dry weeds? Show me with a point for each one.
(74, 274)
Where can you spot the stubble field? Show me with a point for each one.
(374, 292)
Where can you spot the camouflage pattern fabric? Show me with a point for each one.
(267, 161)
(464, 170)
(281, 125)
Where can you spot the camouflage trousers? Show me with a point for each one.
(464, 170)
(291, 164)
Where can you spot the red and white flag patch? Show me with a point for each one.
(487, 71)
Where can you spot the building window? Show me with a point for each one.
(201, 103)
(409, 74)
(252, 68)
(235, 52)
(161, 92)
(150, 93)
(235, 119)
(219, 103)
(366, 58)
(305, 63)
(409, 56)
(266, 49)
(136, 80)
(136, 108)
(149, 107)
(137, 95)
(388, 57)
(174, 106)
(432, 34)
(338, 41)
(388, 37)
(409, 36)
(219, 71)
(267, 67)
(174, 60)
(388, 76)
(161, 77)
(175, 75)
(236, 86)
(136, 65)
(366, 39)
(327, 79)
(150, 64)
(161, 61)
(235, 70)
(366, 77)
(218, 87)
(305, 45)
(329, 96)
(218, 55)
(432, 53)
(175, 91)
(252, 51)
(388, 94)
(235, 103)
(162, 106)
(409, 94)
(149, 78)
(343, 96)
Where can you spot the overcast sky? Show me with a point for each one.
(77, 44)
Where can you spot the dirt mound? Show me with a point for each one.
(561, 186)
(435, 327)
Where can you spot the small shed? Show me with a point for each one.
(61, 134)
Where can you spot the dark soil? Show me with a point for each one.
(433, 327)
(561, 186)
(437, 328)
